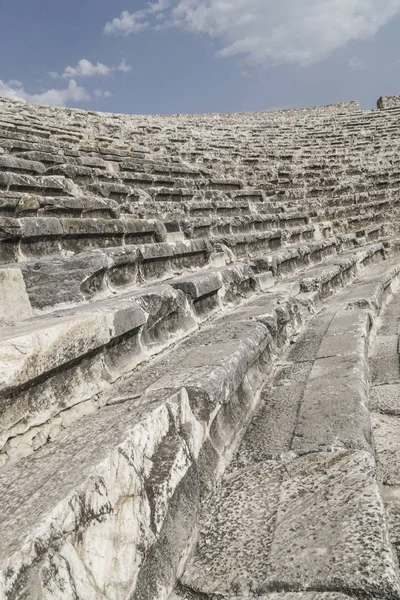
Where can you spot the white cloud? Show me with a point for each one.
(267, 32)
(54, 97)
(124, 67)
(85, 68)
(127, 23)
(157, 7)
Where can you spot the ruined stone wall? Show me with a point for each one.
(388, 102)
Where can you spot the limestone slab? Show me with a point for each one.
(198, 285)
(270, 434)
(385, 398)
(235, 540)
(385, 360)
(386, 432)
(333, 415)
(14, 300)
(212, 364)
(308, 342)
(91, 506)
(330, 528)
(298, 525)
(41, 345)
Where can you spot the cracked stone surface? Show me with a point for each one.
(199, 354)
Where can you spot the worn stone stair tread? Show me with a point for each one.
(120, 315)
(229, 561)
(291, 513)
(14, 204)
(275, 260)
(102, 272)
(172, 382)
(35, 353)
(183, 594)
(201, 369)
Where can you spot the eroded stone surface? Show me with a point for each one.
(271, 431)
(253, 223)
(14, 301)
(385, 398)
(304, 517)
(181, 593)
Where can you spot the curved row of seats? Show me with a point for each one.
(152, 272)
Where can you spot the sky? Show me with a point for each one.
(199, 56)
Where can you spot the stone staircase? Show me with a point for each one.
(187, 305)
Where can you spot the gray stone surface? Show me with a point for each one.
(213, 379)
(385, 361)
(270, 434)
(386, 431)
(308, 343)
(14, 301)
(385, 399)
(253, 253)
(385, 102)
(182, 593)
(232, 554)
(334, 408)
(333, 415)
(297, 525)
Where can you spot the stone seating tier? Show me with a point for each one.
(191, 308)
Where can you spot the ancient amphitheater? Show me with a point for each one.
(199, 357)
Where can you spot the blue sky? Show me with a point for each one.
(191, 56)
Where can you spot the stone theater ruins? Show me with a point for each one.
(199, 354)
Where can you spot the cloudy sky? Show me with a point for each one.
(180, 56)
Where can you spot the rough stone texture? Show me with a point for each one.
(385, 399)
(14, 301)
(334, 407)
(172, 285)
(386, 429)
(270, 434)
(166, 432)
(184, 594)
(275, 526)
(388, 102)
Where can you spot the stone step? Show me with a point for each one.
(43, 185)
(293, 258)
(249, 245)
(89, 275)
(279, 526)
(384, 404)
(252, 223)
(303, 482)
(337, 269)
(118, 333)
(14, 204)
(216, 374)
(69, 357)
(162, 178)
(108, 307)
(37, 237)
